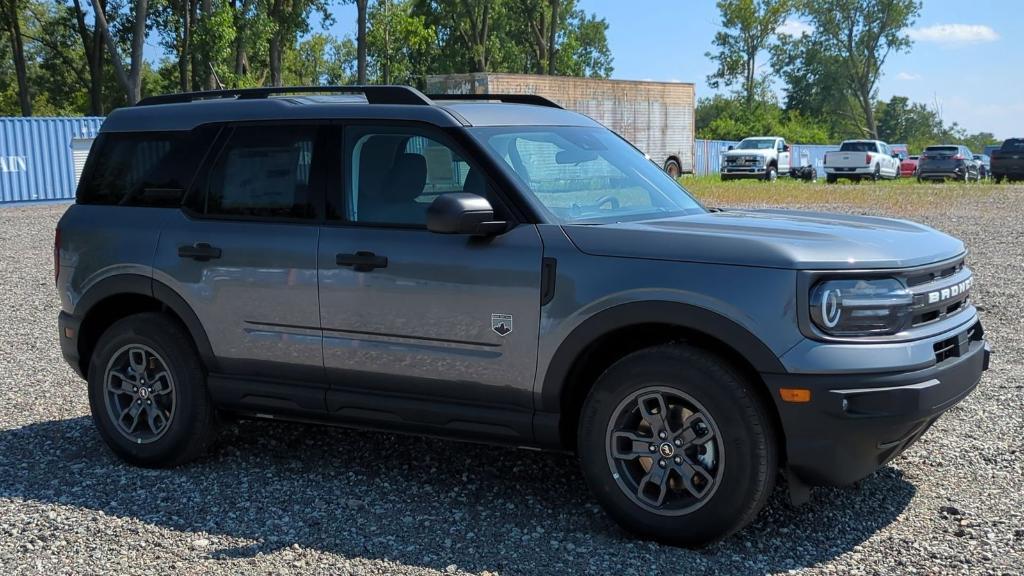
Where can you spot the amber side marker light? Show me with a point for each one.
(795, 395)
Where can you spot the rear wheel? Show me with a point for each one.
(676, 446)
(877, 174)
(147, 392)
(672, 168)
(830, 179)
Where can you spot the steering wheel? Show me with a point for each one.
(610, 200)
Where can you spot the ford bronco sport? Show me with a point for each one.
(497, 269)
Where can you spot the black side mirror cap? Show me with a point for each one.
(463, 213)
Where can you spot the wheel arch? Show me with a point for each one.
(117, 297)
(610, 335)
(672, 158)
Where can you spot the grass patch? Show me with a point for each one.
(904, 195)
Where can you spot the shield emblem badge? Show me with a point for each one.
(501, 324)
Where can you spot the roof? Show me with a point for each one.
(186, 111)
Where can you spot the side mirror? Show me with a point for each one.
(729, 148)
(785, 147)
(463, 213)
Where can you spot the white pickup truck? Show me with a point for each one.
(857, 159)
(763, 157)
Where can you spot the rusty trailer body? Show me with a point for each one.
(657, 117)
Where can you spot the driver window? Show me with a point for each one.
(393, 174)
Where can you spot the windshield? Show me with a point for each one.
(858, 147)
(941, 151)
(584, 175)
(756, 144)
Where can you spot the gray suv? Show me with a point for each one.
(497, 269)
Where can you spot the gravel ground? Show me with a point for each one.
(275, 498)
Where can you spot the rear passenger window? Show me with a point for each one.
(263, 172)
(143, 168)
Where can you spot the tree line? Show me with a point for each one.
(72, 57)
(828, 71)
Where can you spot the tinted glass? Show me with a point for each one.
(143, 168)
(939, 151)
(756, 144)
(587, 175)
(1013, 145)
(263, 172)
(858, 147)
(393, 174)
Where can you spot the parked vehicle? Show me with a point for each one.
(908, 166)
(1008, 161)
(764, 158)
(948, 161)
(984, 165)
(656, 117)
(858, 159)
(990, 148)
(900, 150)
(497, 269)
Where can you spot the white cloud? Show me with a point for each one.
(908, 76)
(954, 34)
(793, 27)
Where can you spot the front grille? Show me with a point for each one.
(939, 292)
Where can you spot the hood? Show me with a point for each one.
(772, 239)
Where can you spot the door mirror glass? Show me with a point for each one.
(785, 147)
(463, 213)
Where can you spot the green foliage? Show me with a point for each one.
(400, 45)
(729, 118)
(748, 29)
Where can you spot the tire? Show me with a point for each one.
(772, 174)
(672, 168)
(877, 174)
(830, 179)
(742, 474)
(999, 179)
(920, 180)
(159, 345)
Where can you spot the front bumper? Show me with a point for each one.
(753, 171)
(855, 423)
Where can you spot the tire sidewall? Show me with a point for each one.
(191, 409)
(748, 451)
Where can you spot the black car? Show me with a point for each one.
(1008, 161)
(949, 161)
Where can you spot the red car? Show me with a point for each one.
(908, 167)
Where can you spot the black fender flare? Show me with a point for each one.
(147, 286)
(678, 314)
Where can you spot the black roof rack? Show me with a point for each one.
(507, 98)
(373, 94)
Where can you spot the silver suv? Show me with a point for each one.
(497, 269)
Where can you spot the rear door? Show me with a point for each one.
(428, 330)
(243, 254)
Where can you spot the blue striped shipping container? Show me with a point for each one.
(35, 157)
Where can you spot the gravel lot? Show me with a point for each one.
(277, 498)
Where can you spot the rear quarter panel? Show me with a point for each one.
(98, 242)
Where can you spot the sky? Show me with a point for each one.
(966, 58)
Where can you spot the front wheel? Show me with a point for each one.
(672, 168)
(147, 392)
(772, 174)
(677, 446)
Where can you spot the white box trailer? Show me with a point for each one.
(657, 117)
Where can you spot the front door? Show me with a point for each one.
(423, 321)
(243, 254)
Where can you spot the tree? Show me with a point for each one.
(10, 17)
(860, 35)
(361, 41)
(130, 79)
(748, 29)
(290, 19)
(400, 45)
(93, 44)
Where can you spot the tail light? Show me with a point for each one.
(867, 158)
(959, 157)
(56, 255)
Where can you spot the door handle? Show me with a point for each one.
(362, 261)
(200, 251)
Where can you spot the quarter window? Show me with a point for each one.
(262, 172)
(143, 168)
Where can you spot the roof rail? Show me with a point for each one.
(373, 94)
(507, 98)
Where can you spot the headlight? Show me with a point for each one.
(860, 307)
